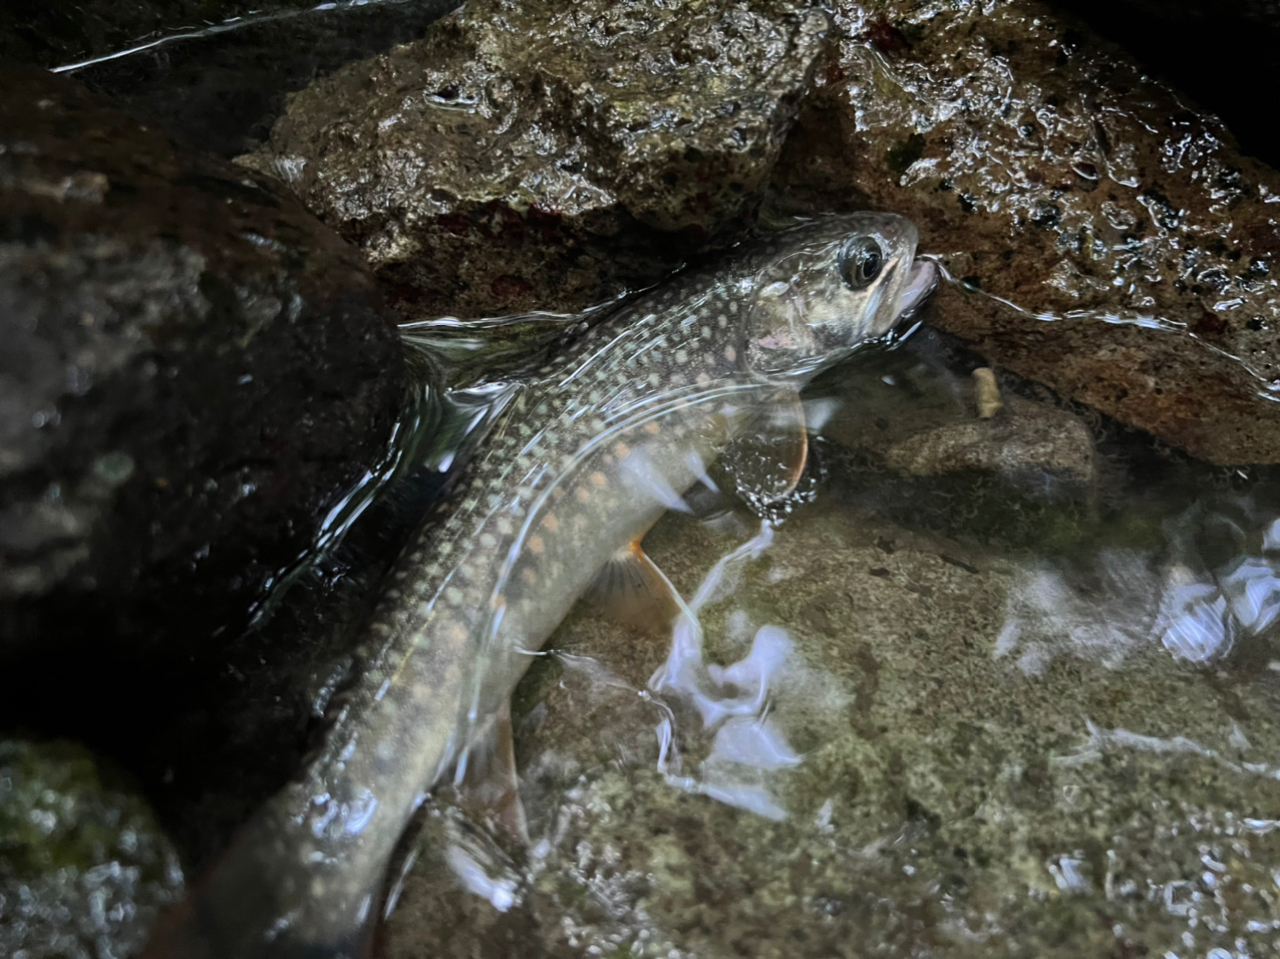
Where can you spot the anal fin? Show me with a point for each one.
(632, 589)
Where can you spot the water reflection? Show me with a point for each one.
(1216, 584)
(733, 701)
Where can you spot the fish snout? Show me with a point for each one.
(920, 281)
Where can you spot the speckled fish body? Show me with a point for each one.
(583, 460)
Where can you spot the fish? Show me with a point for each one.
(581, 457)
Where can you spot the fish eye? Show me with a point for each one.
(860, 262)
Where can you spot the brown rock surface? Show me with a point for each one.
(1044, 168)
(546, 154)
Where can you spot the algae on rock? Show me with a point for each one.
(84, 867)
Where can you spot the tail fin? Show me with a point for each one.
(261, 901)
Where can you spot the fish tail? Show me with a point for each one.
(245, 907)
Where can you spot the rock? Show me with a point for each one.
(1115, 244)
(923, 420)
(195, 370)
(1026, 441)
(84, 869)
(536, 154)
(1177, 39)
(224, 88)
(894, 739)
(49, 35)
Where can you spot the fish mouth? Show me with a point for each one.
(920, 282)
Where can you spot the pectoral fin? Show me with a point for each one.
(631, 589)
(765, 462)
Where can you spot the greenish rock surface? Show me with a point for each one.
(84, 868)
(539, 154)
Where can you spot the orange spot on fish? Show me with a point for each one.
(536, 545)
(582, 496)
(551, 523)
(599, 480)
(652, 428)
(622, 451)
(529, 576)
(457, 633)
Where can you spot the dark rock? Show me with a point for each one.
(84, 868)
(52, 34)
(223, 88)
(542, 154)
(194, 370)
(1056, 176)
(1222, 55)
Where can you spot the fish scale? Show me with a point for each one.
(585, 456)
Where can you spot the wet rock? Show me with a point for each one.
(1111, 240)
(84, 869)
(949, 752)
(194, 371)
(1219, 54)
(1027, 440)
(922, 420)
(537, 154)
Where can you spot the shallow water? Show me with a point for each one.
(1020, 708)
(959, 715)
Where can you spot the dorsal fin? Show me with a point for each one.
(460, 352)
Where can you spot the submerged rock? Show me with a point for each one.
(84, 868)
(542, 154)
(194, 369)
(923, 420)
(886, 737)
(1113, 241)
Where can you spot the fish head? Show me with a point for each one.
(819, 290)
